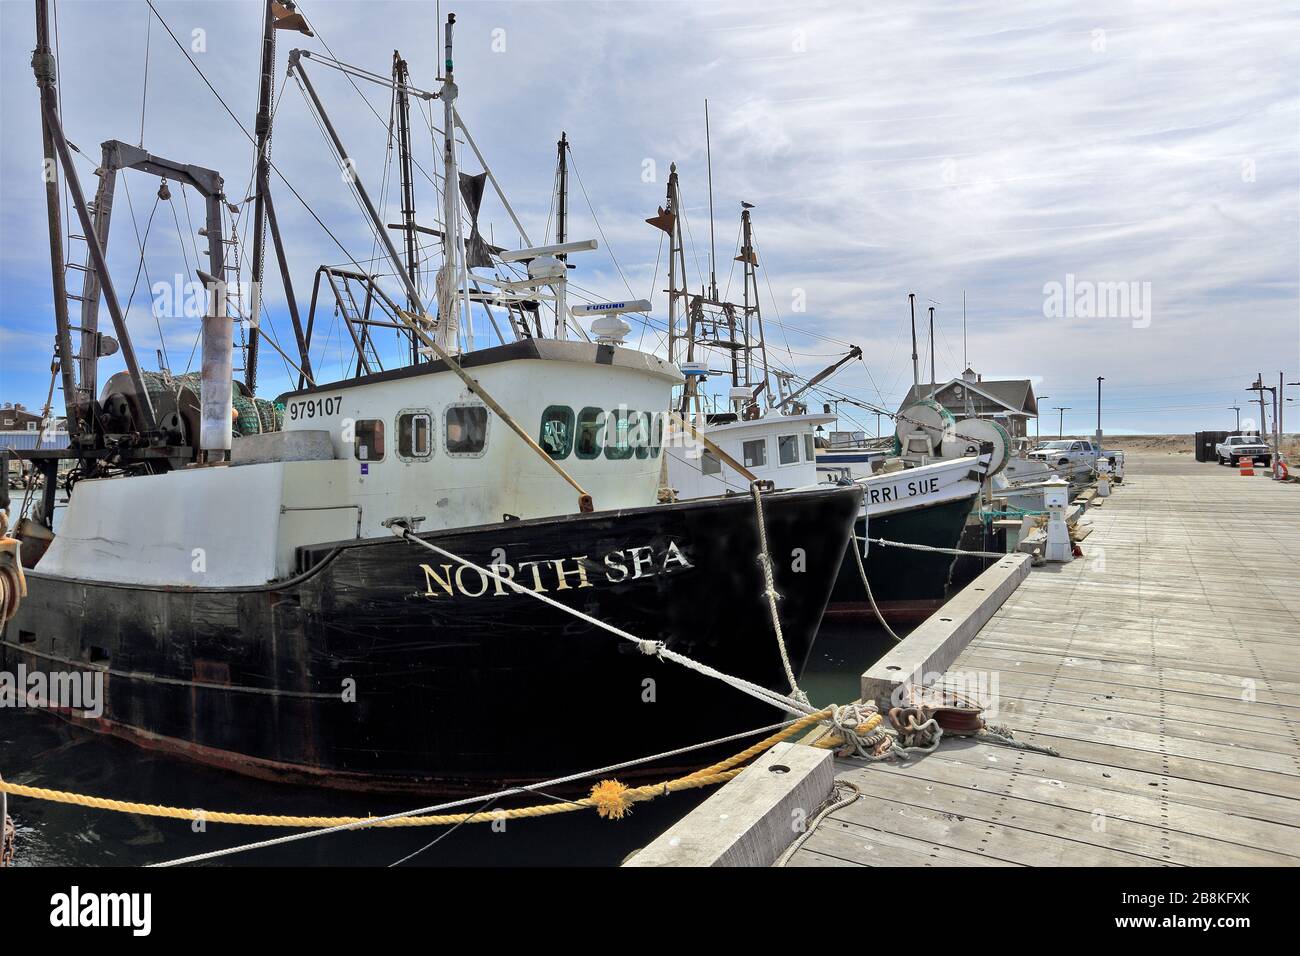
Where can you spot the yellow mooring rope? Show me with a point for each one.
(610, 798)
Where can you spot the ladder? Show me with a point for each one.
(357, 322)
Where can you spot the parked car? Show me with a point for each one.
(1237, 447)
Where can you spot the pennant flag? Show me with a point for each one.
(665, 220)
(284, 18)
(477, 252)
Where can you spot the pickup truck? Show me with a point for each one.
(1066, 454)
(1243, 446)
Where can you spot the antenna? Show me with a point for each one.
(932, 379)
(713, 251)
(965, 362)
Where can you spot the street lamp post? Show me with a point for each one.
(1038, 421)
(1237, 409)
(1100, 379)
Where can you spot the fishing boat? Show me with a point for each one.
(451, 573)
(762, 429)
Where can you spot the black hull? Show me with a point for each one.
(455, 690)
(905, 583)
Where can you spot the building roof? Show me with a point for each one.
(1014, 394)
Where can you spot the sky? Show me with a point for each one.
(1113, 188)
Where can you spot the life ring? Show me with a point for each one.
(1280, 471)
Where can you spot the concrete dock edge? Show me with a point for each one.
(753, 818)
(931, 649)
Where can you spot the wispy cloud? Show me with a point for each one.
(889, 148)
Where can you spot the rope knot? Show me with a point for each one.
(611, 800)
(651, 648)
(858, 725)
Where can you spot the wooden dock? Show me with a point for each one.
(1164, 666)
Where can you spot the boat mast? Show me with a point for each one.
(676, 261)
(749, 262)
(916, 368)
(449, 280)
(278, 16)
(412, 249)
(44, 68)
(713, 246)
(562, 233)
(56, 144)
(263, 133)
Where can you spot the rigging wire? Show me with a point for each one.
(247, 135)
(609, 248)
(144, 87)
(162, 341)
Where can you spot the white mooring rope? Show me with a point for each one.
(884, 543)
(769, 590)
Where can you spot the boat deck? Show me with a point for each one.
(1164, 666)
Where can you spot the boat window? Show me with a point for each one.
(809, 447)
(414, 435)
(639, 435)
(755, 453)
(618, 425)
(591, 421)
(710, 464)
(466, 429)
(787, 449)
(368, 439)
(656, 434)
(557, 431)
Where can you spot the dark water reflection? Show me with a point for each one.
(39, 750)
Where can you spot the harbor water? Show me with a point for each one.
(38, 749)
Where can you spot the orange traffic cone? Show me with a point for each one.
(1248, 467)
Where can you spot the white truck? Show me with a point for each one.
(1237, 447)
(1069, 454)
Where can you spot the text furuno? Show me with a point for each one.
(554, 574)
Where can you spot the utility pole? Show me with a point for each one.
(1060, 429)
(916, 368)
(1237, 409)
(1278, 397)
(1258, 387)
(1100, 379)
(1038, 421)
(1281, 405)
